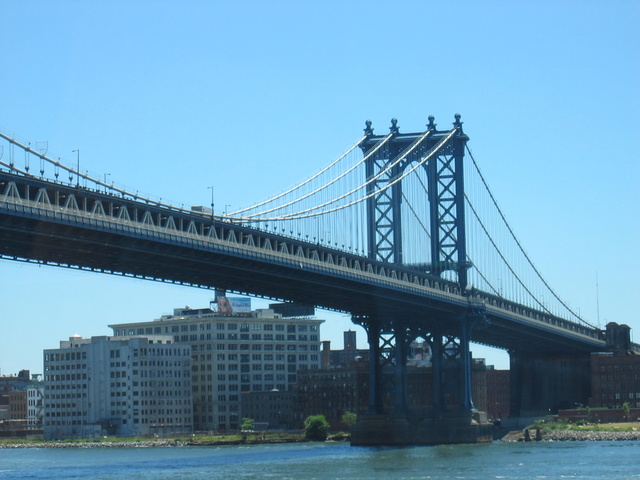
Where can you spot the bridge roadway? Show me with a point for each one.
(65, 225)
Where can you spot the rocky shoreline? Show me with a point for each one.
(514, 436)
(571, 436)
(148, 443)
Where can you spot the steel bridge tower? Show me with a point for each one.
(388, 419)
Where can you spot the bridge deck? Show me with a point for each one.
(69, 226)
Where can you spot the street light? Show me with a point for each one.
(211, 188)
(78, 168)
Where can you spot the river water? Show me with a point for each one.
(324, 461)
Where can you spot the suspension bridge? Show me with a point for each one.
(401, 231)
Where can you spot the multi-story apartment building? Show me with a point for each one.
(274, 410)
(615, 380)
(35, 405)
(119, 386)
(10, 383)
(18, 405)
(255, 351)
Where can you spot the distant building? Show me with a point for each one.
(346, 357)
(35, 405)
(250, 351)
(498, 393)
(117, 386)
(18, 405)
(615, 375)
(334, 391)
(275, 409)
(615, 380)
(10, 383)
(12, 404)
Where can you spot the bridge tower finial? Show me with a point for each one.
(368, 131)
(458, 123)
(431, 126)
(394, 129)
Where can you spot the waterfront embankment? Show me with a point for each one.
(157, 443)
(571, 436)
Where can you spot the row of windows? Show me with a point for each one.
(57, 396)
(160, 352)
(632, 367)
(617, 377)
(64, 356)
(75, 413)
(161, 411)
(248, 378)
(65, 377)
(69, 366)
(66, 386)
(278, 337)
(243, 327)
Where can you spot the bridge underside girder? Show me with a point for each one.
(52, 243)
(172, 260)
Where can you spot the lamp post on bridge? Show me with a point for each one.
(211, 188)
(78, 168)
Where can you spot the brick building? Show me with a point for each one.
(615, 380)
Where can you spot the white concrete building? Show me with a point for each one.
(249, 352)
(35, 405)
(117, 386)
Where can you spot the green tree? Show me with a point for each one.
(627, 411)
(349, 419)
(316, 427)
(247, 424)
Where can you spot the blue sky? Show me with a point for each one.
(248, 97)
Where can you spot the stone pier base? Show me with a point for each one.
(393, 429)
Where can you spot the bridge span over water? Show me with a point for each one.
(396, 291)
